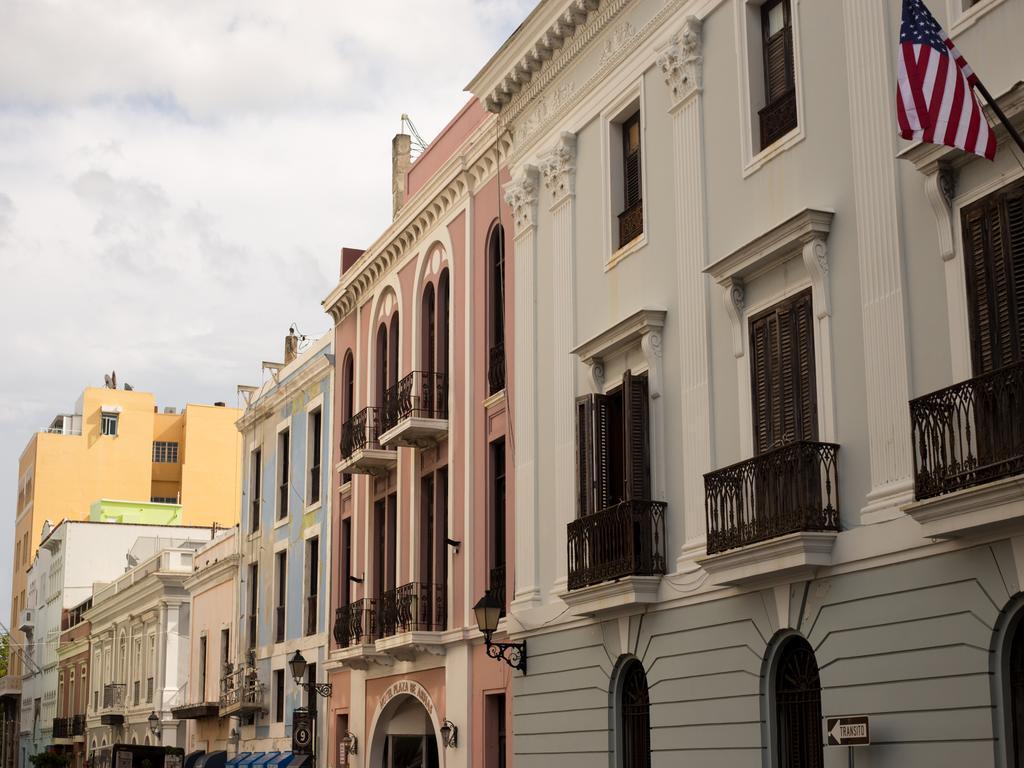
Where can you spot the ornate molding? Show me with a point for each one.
(815, 254)
(735, 304)
(682, 62)
(940, 188)
(521, 194)
(643, 328)
(558, 167)
(650, 344)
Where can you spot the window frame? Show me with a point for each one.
(255, 489)
(164, 450)
(774, 658)
(106, 419)
(627, 666)
(751, 84)
(964, 15)
(314, 408)
(283, 472)
(631, 100)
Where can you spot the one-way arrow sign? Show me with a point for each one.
(851, 731)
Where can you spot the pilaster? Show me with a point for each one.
(681, 63)
(521, 194)
(559, 171)
(887, 374)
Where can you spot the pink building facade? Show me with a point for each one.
(422, 486)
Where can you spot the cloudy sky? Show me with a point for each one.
(177, 179)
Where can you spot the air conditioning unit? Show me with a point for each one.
(25, 620)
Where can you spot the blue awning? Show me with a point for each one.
(299, 760)
(250, 759)
(216, 759)
(236, 760)
(282, 760)
(265, 759)
(192, 757)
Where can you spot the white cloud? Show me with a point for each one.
(176, 180)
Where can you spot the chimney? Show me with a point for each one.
(291, 346)
(401, 160)
(350, 256)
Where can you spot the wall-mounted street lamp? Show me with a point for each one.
(298, 666)
(350, 743)
(154, 725)
(488, 611)
(449, 734)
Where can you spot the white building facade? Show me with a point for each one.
(71, 558)
(768, 436)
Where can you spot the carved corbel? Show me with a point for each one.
(940, 187)
(815, 255)
(650, 343)
(735, 304)
(521, 194)
(681, 62)
(597, 376)
(559, 168)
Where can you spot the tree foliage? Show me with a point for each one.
(5, 652)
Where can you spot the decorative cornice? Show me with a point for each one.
(682, 63)
(521, 194)
(643, 328)
(558, 168)
(264, 404)
(475, 162)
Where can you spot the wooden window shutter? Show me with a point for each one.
(602, 452)
(631, 161)
(782, 376)
(777, 43)
(993, 230)
(637, 469)
(584, 455)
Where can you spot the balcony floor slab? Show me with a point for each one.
(995, 506)
(407, 646)
(416, 432)
(793, 557)
(368, 461)
(613, 597)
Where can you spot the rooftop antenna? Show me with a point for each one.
(417, 143)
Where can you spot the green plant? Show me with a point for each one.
(49, 760)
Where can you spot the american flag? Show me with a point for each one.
(934, 97)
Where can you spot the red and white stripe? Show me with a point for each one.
(935, 101)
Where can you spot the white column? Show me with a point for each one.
(887, 374)
(682, 64)
(559, 170)
(521, 195)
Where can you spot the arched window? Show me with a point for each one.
(347, 388)
(1014, 688)
(382, 362)
(442, 322)
(797, 706)
(496, 310)
(393, 350)
(428, 349)
(635, 717)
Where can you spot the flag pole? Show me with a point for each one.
(1000, 115)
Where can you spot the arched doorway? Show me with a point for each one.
(405, 736)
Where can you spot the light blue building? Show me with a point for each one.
(283, 596)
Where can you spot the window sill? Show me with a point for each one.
(970, 17)
(281, 522)
(625, 251)
(253, 535)
(314, 507)
(995, 505)
(772, 151)
(494, 399)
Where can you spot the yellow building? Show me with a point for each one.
(116, 445)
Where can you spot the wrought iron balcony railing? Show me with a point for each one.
(241, 688)
(62, 728)
(412, 607)
(969, 434)
(778, 118)
(355, 623)
(631, 223)
(496, 369)
(115, 696)
(361, 432)
(497, 586)
(627, 539)
(78, 725)
(422, 394)
(786, 490)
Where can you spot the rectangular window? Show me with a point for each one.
(108, 424)
(312, 583)
(631, 220)
(494, 735)
(346, 561)
(311, 694)
(165, 452)
(164, 499)
(498, 554)
(778, 116)
(993, 231)
(255, 488)
(612, 446)
(225, 650)
(782, 376)
(254, 592)
(283, 472)
(278, 695)
(281, 594)
(315, 431)
(202, 669)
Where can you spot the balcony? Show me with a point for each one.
(26, 620)
(62, 732)
(241, 692)
(405, 617)
(968, 444)
(355, 627)
(496, 369)
(415, 411)
(78, 729)
(616, 557)
(361, 451)
(778, 118)
(775, 516)
(115, 697)
(196, 711)
(10, 685)
(631, 223)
